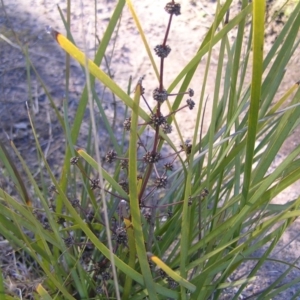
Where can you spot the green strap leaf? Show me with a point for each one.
(134, 198)
(258, 43)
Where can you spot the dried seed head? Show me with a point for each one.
(41, 216)
(110, 156)
(157, 120)
(147, 216)
(160, 96)
(172, 283)
(127, 124)
(90, 216)
(173, 8)
(124, 185)
(124, 164)
(121, 235)
(204, 193)
(99, 290)
(166, 128)
(52, 207)
(98, 267)
(191, 92)
(140, 81)
(95, 183)
(47, 226)
(74, 160)
(162, 51)
(113, 222)
(52, 189)
(190, 103)
(69, 241)
(152, 157)
(60, 221)
(162, 273)
(75, 203)
(187, 147)
(169, 166)
(161, 182)
(105, 276)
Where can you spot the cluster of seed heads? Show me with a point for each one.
(150, 177)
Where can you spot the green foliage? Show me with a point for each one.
(165, 233)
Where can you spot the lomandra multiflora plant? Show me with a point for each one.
(165, 226)
(143, 174)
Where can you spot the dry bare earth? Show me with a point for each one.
(28, 20)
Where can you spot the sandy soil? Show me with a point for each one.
(29, 18)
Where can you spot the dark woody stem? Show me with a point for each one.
(150, 166)
(167, 31)
(149, 194)
(175, 111)
(161, 76)
(158, 114)
(162, 59)
(177, 94)
(156, 138)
